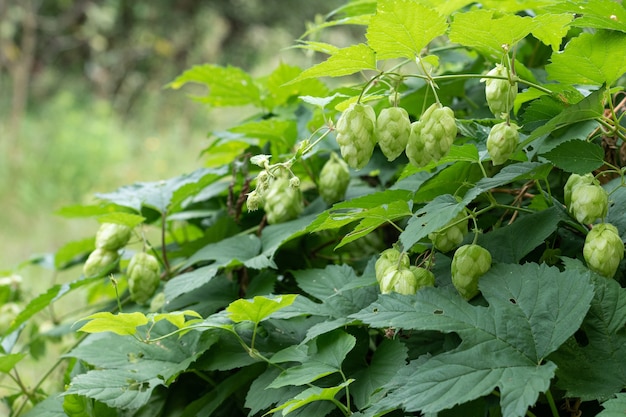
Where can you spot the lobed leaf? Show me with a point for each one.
(345, 61)
(120, 323)
(576, 156)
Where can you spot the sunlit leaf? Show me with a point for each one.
(259, 308)
(120, 323)
(345, 61)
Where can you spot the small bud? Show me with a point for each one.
(260, 160)
(294, 182)
(253, 201)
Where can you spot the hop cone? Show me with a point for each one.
(603, 249)
(431, 137)
(573, 181)
(502, 141)
(423, 277)
(500, 93)
(393, 127)
(143, 277)
(450, 236)
(589, 202)
(356, 134)
(469, 263)
(389, 259)
(282, 202)
(112, 236)
(334, 179)
(99, 261)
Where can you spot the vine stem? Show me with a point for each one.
(555, 411)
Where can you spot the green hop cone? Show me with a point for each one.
(500, 93)
(393, 127)
(281, 201)
(502, 141)
(432, 136)
(389, 259)
(589, 202)
(423, 277)
(574, 181)
(112, 236)
(334, 179)
(99, 262)
(469, 263)
(356, 134)
(452, 235)
(401, 278)
(143, 277)
(603, 249)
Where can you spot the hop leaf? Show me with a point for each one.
(282, 202)
(334, 179)
(112, 236)
(469, 263)
(500, 93)
(143, 277)
(452, 235)
(502, 141)
(573, 181)
(99, 262)
(356, 134)
(393, 127)
(431, 137)
(589, 202)
(603, 249)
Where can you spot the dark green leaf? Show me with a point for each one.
(576, 156)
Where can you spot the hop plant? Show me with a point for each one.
(99, 261)
(393, 127)
(395, 278)
(469, 263)
(143, 277)
(112, 236)
(452, 235)
(502, 141)
(282, 202)
(432, 136)
(334, 179)
(500, 93)
(389, 259)
(573, 181)
(423, 277)
(356, 134)
(589, 202)
(603, 249)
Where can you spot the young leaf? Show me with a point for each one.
(552, 28)
(121, 323)
(127, 219)
(599, 14)
(590, 59)
(310, 395)
(488, 32)
(7, 362)
(533, 309)
(576, 156)
(228, 86)
(345, 61)
(259, 308)
(403, 28)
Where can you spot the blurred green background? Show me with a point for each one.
(83, 107)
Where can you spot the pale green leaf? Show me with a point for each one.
(52, 406)
(402, 28)
(552, 28)
(599, 14)
(590, 59)
(177, 318)
(532, 310)
(281, 89)
(228, 86)
(127, 219)
(615, 407)
(73, 252)
(259, 308)
(489, 32)
(345, 61)
(576, 156)
(310, 395)
(120, 323)
(7, 362)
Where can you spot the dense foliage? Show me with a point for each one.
(440, 234)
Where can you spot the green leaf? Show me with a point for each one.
(120, 323)
(345, 61)
(487, 31)
(452, 179)
(177, 318)
(52, 406)
(532, 310)
(599, 14)
(7, 362)
(329, 351)
(590, 59)
(73, 252)
(127, 219)
(281, 90)
(259, 308)
(593, 365)
(551, 28)
(576, 156)
(282, 134)
(310, 395)
(228, 86)
(615, 407)
(402, 28)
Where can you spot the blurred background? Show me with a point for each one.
(83, 107)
